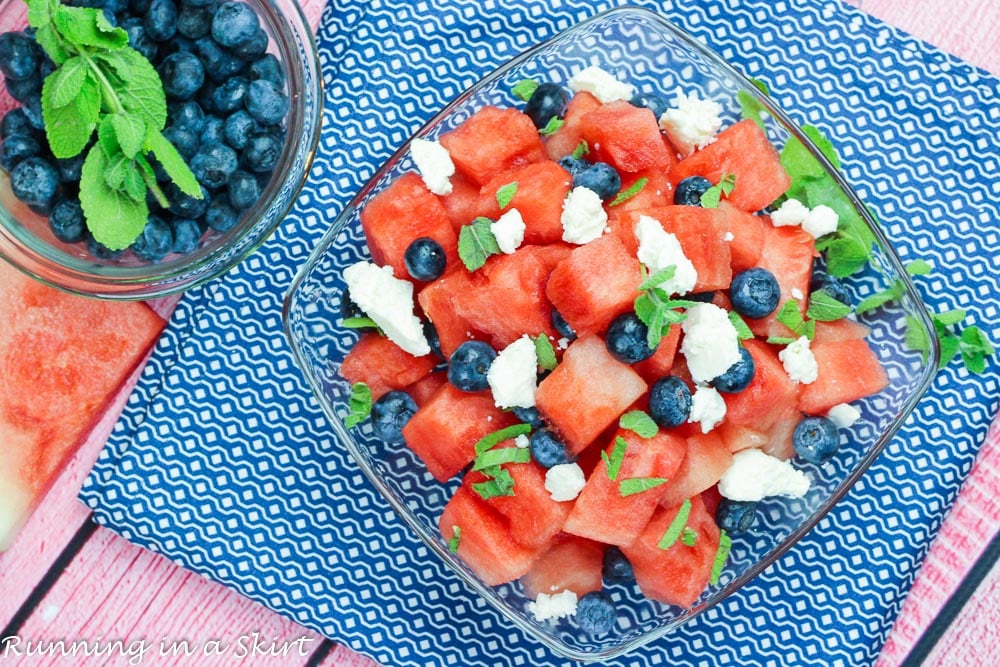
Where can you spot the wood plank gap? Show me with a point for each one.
(321, 653)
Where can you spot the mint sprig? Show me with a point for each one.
(711, 197)
(476, 243)
(655, 308)
(639, 423)
(359, 404)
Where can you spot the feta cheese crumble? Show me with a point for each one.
(603, 85)
(707, 408)
(822, 220)
(791, 212)
(522, 442)
(843, 415)
(513, 375)
(388, 301)
(564, 481)
(659, 249)
(558, 605)
(799, 362)
(583, 216)
(729, 237)
(692, 122)
(509, 231)
(711, 345)
(754, 475)
(434, 164)
(797, 294)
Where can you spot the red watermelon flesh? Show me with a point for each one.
(779, 437)
(572, 563)
(565, 140)
(601, 513)
(422, 390)
(541, 189)
(769, 395)
(838, 330)
(492, 142)
(677, 575)
(739, 437)
(788, 253)
(626, 137)
(748, 236)
(62, 358)
(440, 302)
(462, 205)
(744, 150)
(662, 361)
(706, 459)
(848, 371)
(587, 392)
(383, 365)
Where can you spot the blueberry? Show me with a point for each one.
(98, 249)
(669, 401)
(182, 75)
(17, 147)
(390, 413)
(220, 216)
(690, 190)
(160, 22)
(33, 110)
(267, 103)
(626, 339)
(219, 64)
(348, 307)
(139, 40)
(600, 177)
(243, 190)
(187, 115)
(739, 376)
(548, 100)
(253, 48)
(561, 325)
(213, 164)
(201, 3)
(19, 56)
(530, 416)
(574, 165)
(70, 168)
(23, 89)
(230, 95)
(833, 286)
(194, 22)
(262, 152)
(187, 234)
(66, 221)
(155, 241)
(653, 101)
(35, 181)
(815, 439)
(140, 7)
(234, 23)
(15, 121)
(616, 568)
(596, 613)
(431, 334)
(184, 205)
(213, 132)
(547, 448)
(268, 68)
(238, 128)
(701, 297)
(735, 516)
(425, 259)
(184, 140)
(109, 15)
(754, 293)
(469, 364)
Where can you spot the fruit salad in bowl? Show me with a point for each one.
(591, 333)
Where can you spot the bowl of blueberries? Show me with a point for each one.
(147, 146)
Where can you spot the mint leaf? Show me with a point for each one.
(118, 168)
(67, 81)
(524, 89)
(761, 86)
(113, 217)
(915, 336)
(711, 197)
(359, 404)
(455, 540)
(496, 457)
(68, 128)
(505, 194)
(491, 440)
(614, 462)
(552, 126)
(658, 278)
(83, 26)
(742, 330)
(172, 162)
(948, 317)
(950, 344)
(581, 149)
(639, 423)
(130, 130)
(48, 38)
(790, 316)
(721, 556)
(846, 256)
(676, 526)
(974, 347)
(359, 323)
(824, 308)
(629, 192)
(879, 299)
(629, 487)
(137, 85)
(919, 267)
(689, 537)
(38, 13)
(476, 243)
(135, 185)
(545, 352)
(502, 484)
(750, 108)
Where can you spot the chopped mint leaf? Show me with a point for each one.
(780, 340)
(359, 323)
(476, 243)
(455, 540)
(742, 330)
(915, 338)
(505, 194)
(750, 108)
(824, 308)
(359, 404)
(524, 89)
(712, 196)
(790, 316)
(639, 423)
(658, 278)
(919, 267)
(761, 86)
(721, 556)
(545, 352)
(628, 487)
(974, 347)
(496, 457)
(491, 440)
(948, 317)
(552, 126)
(630, 192)
(676, 526)
(614, 462)
(581, 149)
(879, 299)
(501, 484)
(689, 537)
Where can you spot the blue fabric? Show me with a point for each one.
(224, 462)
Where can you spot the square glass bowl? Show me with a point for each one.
(644, 49)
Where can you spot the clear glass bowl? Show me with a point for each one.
(27, 243)
(644, 49)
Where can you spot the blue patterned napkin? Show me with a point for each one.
(224, 462)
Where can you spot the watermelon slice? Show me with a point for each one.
(492, 142)
(572, 563)
(627, 137)
(565, 140)
(383, 365)
(541, 189)
(769, 395)
(706, 459)
(788, 253)
(848, 370)
(747, 236)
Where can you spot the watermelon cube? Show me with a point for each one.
(587, 392)
(541, 189)
(706, 459)
(383, 365)
(627, 137)
(565, 140)
(660, 364)
(769, 395)
(422, 390)
(788, 253)
(492, 142)
(748, 236)
(848, 370)
(440, 302)
(572, 563)
(462, 205)
(838, 330)
(739, 436)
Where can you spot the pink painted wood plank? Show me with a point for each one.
(341, 656)
(963, 644)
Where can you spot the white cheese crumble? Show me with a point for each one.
(799, 362)
(601, 84)
(558, 605)
(659, 249)
(562, 343)
(513, 375)
(843, 415)
(797, 294)
(564, 481)
(707, 408)
(729, 237)
(822, 220)
(583, 216)
(388, 301)
(692, 122)
(791, 212)
(434, 164)
(754, 475)
(522, 442)
(509, 231)
(711, 345)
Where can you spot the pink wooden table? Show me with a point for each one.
(48, 589)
